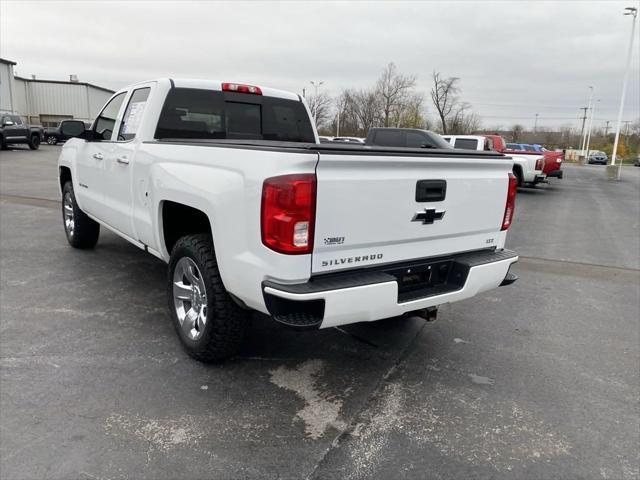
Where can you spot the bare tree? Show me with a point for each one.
(394, 90)
(444, 95)
(413, 113)
(516, 132)
(320, 107)
(463, 121)
(365, 107)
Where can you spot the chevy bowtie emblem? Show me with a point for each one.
(428, 216)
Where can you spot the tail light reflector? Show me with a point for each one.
(539, 163)
(241, 88)
(287, 215)
(510, 206)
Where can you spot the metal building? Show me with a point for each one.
(47, 102)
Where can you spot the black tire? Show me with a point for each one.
(52, 140)
(226, 322)
(84, 231)
(519, 179)
(3, 146)
(34, 142)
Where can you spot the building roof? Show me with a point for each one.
(36, 80)
(4, 60)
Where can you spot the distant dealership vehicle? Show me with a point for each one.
(228, 184)
(54, 136)
(405, 137)
(597, 157)
(355, 140)
(528, 169)
(14, 131)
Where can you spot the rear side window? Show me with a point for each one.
(133, 114)
(466, 143)
(207, 114)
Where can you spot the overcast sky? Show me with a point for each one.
(514, 58)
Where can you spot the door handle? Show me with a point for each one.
(98, 156)
(124, 160)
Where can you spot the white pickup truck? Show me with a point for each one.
(228, 184)
(528, 168)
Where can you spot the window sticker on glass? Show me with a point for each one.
(133, 118)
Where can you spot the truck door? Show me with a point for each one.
(119, 165)
(90, 164)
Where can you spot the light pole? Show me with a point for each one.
(535, 124)
(316, 85)
(584, 132)
(593, 110)
(634, 13)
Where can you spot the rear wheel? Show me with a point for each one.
(210, 324)
(81, 231)
(51, 140)
(518, 174)
(34, 142)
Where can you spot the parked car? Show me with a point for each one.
(405, 137)
(53, 136)
(228, 184)
(13, 130)
(528, 169)
(597, 157)
(347, 140)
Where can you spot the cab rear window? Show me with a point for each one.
(190, 113)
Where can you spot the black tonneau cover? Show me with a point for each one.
(331, 148)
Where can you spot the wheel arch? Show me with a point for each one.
(178, 219)
(64, 176)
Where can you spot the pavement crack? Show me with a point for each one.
(349, 425)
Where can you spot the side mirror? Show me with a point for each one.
(72, 128)
(8, 123)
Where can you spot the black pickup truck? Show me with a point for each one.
(13, 130)
(405, 137)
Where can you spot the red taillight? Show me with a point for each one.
(539, 163)
(241, 88)
(288, 213)
(510, 206)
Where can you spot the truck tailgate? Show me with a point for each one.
(374, 209)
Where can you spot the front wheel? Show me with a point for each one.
(210, 324)
(34, 142)
(51, 140)
(81, 231)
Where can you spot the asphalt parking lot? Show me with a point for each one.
(537, 380)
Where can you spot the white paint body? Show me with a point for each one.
(366, 198)
(527, 162)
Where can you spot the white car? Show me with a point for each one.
(527, 168)
(228, 184)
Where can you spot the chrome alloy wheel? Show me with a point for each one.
(67, 212)
(190, 298)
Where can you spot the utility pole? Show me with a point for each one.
(535, 125)
(584, 133)
(593, 111)
(316, 85)
(584, 119)
(633, 12)
(606, 128)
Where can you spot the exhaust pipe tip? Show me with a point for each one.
(429, 314)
